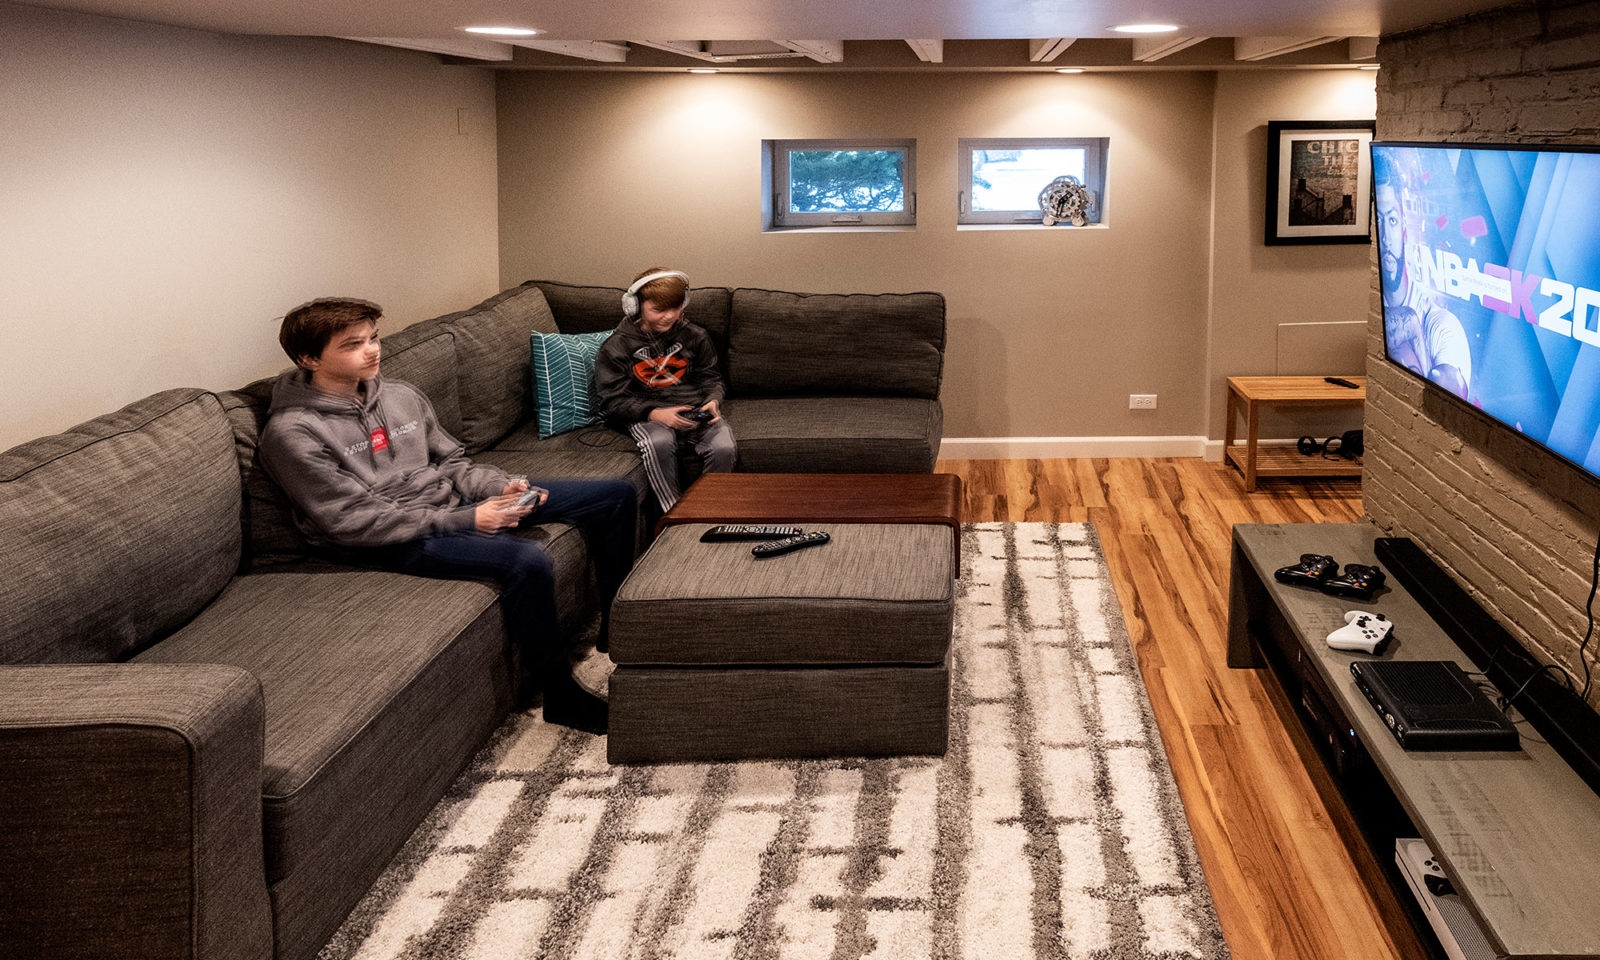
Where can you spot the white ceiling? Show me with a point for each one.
(619, 21)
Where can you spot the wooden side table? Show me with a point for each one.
(1253, 393)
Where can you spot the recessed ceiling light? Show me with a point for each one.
(702, 70)
(1368, 66)
(1146, 28)
(502, 31)
(1069, 69)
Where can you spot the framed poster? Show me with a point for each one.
(1319, 181)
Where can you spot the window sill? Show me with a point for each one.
(1057, 227)
(857, 228)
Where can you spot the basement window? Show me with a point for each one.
(1001, 179)
(843, 183)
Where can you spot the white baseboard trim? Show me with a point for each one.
(1214, 447)
(1052, 448)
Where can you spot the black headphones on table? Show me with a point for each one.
(1350, 445)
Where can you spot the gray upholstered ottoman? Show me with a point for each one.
(838, 650)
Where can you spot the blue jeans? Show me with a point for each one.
(604, 510)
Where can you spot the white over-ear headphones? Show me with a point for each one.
(630, 300)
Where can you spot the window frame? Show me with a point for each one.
(781, 215)
(1095, 150)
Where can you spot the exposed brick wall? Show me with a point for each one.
(1516, 525)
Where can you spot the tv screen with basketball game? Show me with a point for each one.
(1489, 261)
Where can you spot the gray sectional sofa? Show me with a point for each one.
(211, 741)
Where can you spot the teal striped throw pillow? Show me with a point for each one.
(563, 380)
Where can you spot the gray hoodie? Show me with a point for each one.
(370, 470)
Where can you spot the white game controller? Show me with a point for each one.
(1362, 631)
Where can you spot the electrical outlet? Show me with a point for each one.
(1141, 401)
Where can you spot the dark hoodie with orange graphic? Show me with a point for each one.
(636, 371)
(370, 470)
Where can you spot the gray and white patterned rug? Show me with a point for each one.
(1052, 829)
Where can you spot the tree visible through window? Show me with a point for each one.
(842, 182)
(847, 181)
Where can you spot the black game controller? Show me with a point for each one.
(1359, 580)
(1313, 570)
(698, 416)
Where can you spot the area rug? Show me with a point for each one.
(1051, 829)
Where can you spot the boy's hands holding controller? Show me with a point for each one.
(508, 509)
(686, 417)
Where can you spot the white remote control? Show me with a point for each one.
(1362, 631)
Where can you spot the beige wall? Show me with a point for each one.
(165, 194)
(1049, 330)
(1514, 524)
(1264, 298)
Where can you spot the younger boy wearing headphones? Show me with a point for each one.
(656, 379)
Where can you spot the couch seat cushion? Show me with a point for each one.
(784, 344)
(116, 531)
(492, 362)
(835, 434)
(424, 355)
(877, 593)
(378, 686)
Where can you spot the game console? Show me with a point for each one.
(1452, 922)
(1432, 705)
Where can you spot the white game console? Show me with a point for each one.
(1452, 922)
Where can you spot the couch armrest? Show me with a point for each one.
(131, 823)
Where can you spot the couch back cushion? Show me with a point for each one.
(267, 519)
(118, 531)
(593, 309)
(797, 344)
(492, 362)
(424, 355)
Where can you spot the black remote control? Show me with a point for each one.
(1341, 382)
(774, 547)
(746, 531)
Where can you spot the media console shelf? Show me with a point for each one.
(1518, 832)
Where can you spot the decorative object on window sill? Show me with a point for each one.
(1066, 200)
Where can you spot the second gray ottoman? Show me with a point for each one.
(837, 650)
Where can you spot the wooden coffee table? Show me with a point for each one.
(823, 497)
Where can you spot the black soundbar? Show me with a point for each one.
(1567, 723)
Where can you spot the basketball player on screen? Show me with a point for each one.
(1421, 335)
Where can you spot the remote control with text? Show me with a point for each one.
(747, 531)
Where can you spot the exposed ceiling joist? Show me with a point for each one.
(1265, 48)
(471, 47)
(687, 48)
(822, 51)
(583, 49)
(1151, 49)
(928, 51)
(1046, 50)
(1363, 48)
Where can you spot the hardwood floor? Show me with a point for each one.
(1290, 877)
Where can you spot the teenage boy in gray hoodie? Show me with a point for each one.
(375, 480)
(656, 378)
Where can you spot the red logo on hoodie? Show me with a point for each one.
(380, 439)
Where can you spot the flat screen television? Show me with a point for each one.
(1489, 259)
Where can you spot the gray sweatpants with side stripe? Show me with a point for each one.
(658, 445)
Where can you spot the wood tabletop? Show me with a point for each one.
(1298, 391)
(1515, 830)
